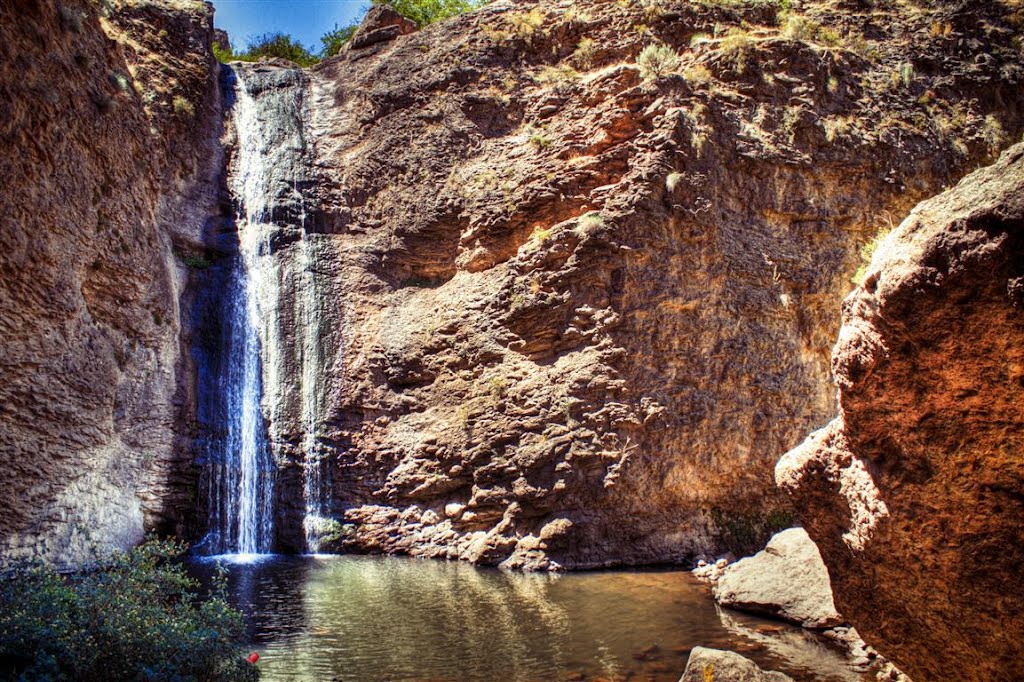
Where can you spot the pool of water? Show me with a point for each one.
(369, 618)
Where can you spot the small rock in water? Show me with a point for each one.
(650, 653)
(787, 579)
(726, 666)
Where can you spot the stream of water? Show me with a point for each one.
(320, 618)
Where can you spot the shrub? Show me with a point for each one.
(584, 54)
(798, 27)
(866, 253)
(183, 106)
(223, 54)
(993, 133)
(697, 75)
(657, 60)
(425, 12)
(333, 41)
(527, 25)
(556, 75)
(137, 617)
(540, 141)
(737, 45)
(277, 45)
(591, 221)
(672, 181)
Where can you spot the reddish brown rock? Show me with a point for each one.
(572, 316)
(915, 493)
(106, 128)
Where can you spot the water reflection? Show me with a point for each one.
(386, 618)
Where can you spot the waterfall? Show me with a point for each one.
(316, 522)
(242, 480)
(274, 384)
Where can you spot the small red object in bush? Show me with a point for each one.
(253, 657)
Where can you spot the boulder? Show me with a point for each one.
(726, 666)
(787, 579)
(381, 24)
(915, 492)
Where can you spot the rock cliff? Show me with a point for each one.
(914, 492)
(578, 290)
(107, 121)
(547, 284)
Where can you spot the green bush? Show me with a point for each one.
(278, 45)
(657, 60)
(139, 616)
(425, 12)
(333, 41)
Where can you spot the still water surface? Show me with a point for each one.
(369, 619)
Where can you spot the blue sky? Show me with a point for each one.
(305, 20)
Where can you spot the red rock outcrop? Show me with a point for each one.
(915, 492)
(107, 126)
(573, 305)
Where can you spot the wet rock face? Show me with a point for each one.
(913, 493)
(96, 160)
(578, 313)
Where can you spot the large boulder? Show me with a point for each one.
(787, 579)
(915, 492)
(726, 666)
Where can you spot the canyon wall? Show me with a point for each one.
(915, 492)
(108, 121)
(526, 297)
(573, 306)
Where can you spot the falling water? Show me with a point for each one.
(276, 295)
(316, 522)
(241, 480)
(241, 467)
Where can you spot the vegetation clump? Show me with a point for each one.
(424, 12)
(138, 616)
(657, 60)
(183, 106)
(279, 45)
(866, 253)
(333, 41)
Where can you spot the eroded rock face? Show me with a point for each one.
(787, 579)
(726, 666)
(914, 493)
(105, 141)
(577, 314)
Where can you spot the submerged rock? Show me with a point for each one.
(726, 666)
(915, 492)
(787, 579)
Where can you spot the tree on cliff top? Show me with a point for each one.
(425, 12)
(278, 45)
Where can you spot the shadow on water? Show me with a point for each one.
(389, 618)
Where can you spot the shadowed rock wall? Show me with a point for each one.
(107, 125)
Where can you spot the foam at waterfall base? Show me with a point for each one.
(245, 558)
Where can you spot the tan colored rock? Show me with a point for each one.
(787, 579)
(914, 492)
(726, 666)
